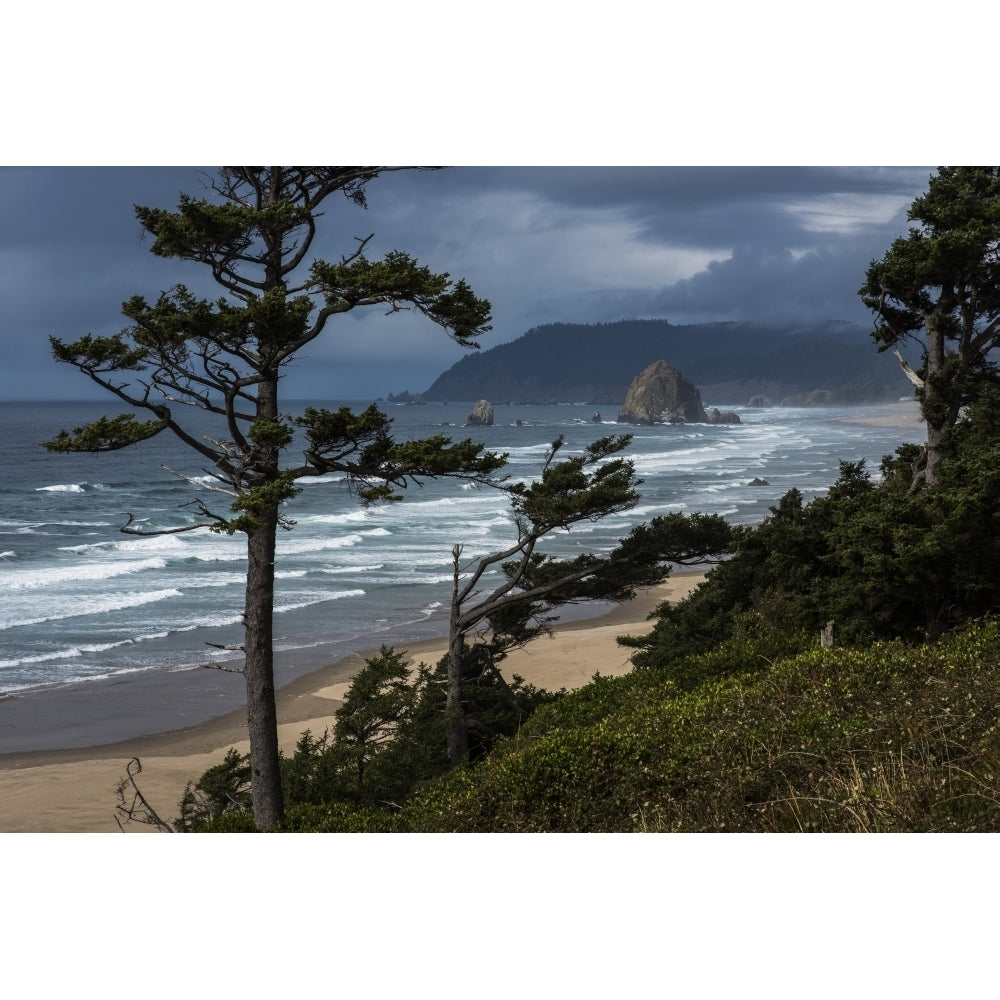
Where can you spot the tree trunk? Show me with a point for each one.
(262, 721)
(458, 734)
(937, 400)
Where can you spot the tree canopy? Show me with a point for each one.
(600, 481)
(940, 286)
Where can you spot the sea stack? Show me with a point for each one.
(662, 395)
(481, 415)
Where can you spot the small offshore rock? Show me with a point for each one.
(723, 417)
(758, 482)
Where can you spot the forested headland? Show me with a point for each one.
(729, 362)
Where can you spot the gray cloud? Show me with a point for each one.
(580, 244)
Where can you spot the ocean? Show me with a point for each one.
(103, 635)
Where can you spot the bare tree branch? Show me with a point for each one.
(160, 531)
(138, 810)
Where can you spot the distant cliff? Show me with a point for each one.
(729, 362)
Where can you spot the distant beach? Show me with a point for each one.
(73, 791)
(903, 415)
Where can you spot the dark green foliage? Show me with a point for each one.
(585, 487)
(582, 487)
(878, 560)
(106, 434)
(391, 731)
(389, 738)
(361, 446)
(222, 789)
(940, 285)
(382, 707)
(339, 817)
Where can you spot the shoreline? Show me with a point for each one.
(72, 790)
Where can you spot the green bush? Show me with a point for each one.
(890, 737)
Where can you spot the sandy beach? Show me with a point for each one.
(73, 791)
(905, 415)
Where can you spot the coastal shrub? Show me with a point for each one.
(338, 817)
(888, 737)
(311, 817)
(234, 821)
(223, 788)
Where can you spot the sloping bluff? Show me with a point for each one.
(660, 394)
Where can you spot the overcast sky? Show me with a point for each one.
(560, 244)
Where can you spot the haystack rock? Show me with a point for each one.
(481, 415)
(662, 395)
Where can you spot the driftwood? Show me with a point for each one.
(139, 810)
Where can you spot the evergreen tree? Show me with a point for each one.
(226, 357)
(586, 487)
(940, 285)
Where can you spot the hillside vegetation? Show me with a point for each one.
(886, 738)
(729, 362)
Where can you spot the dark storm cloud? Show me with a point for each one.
(576, 244)
(706, 206)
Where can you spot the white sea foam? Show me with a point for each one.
(70, 653)
(208, 621)
(533, 450)
(345, 570)
(354, 517)
(102, 604)
(192, 582)
(38, 578)
(309, 598)
(77, 676)
(61, 488)
(160, 543)
(299, 546)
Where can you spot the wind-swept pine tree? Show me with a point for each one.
(226, 357)
(585, 487)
